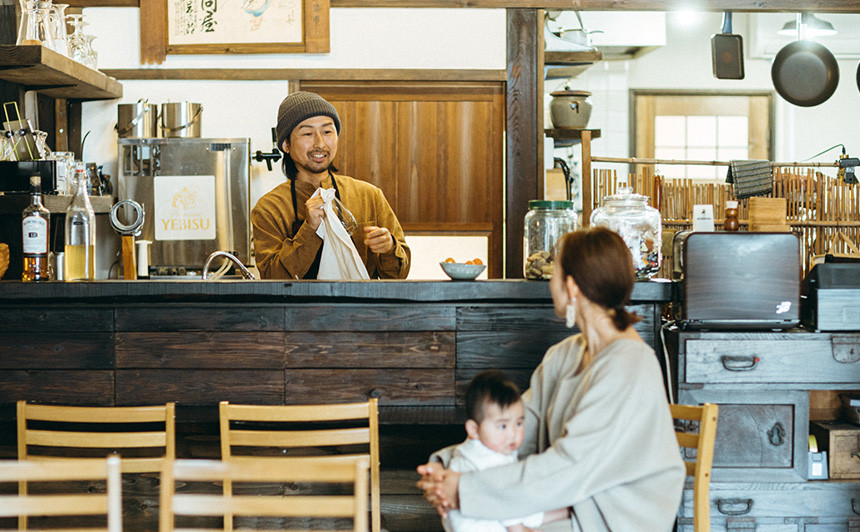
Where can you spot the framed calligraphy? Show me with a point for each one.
(246, 26)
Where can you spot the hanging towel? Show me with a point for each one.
(340, 260)
(750, 178)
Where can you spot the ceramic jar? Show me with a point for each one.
(570, 109)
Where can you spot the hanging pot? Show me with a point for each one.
(805, 73)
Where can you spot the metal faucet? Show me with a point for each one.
(246, 273)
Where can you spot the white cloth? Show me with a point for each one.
(472, 455)
(339, 260)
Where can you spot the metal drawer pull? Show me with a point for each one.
(738, 363)
(724, 505)
(776, 435)
(854, 506)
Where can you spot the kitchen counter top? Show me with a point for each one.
(245, 291)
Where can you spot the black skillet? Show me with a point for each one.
(805, 73)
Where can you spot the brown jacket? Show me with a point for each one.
(280, 254)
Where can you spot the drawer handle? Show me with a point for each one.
(724, 506)
(854, 506)
(736, 363)
(776, 435)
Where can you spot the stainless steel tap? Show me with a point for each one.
(246, 273)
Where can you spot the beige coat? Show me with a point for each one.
(280, 254)
(600, 442)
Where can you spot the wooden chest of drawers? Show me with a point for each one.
(762, 380)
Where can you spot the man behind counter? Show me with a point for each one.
(285, 220)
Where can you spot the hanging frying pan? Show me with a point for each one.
(858, 76)
(805, 73)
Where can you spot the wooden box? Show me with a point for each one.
(842, 443)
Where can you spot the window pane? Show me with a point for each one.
(702, 154)
(727, 154)
(702, 172)
(701, 131)
(669, 131)
(732, 131)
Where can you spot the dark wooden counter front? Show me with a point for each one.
(412, 344)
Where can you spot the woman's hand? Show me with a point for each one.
(440, 487)
(316, 212)
(378, 239)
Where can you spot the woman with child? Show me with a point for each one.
(598, 438)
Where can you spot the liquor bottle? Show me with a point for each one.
(80, 256)
(35, 225)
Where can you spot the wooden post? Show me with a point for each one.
(524, 128)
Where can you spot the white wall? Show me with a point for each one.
(360, 38)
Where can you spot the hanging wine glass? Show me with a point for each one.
(58, 28)
(78, 45)
(92, 60)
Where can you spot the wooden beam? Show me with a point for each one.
(750, 6)
(817, 6)
(283, 74)
(524, 128)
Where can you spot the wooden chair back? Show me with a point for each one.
(305, 430)
(702, 441)
(197, 500)
(144, 435)
(63, 500)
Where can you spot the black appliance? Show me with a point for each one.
(739, 280)
(830, 297)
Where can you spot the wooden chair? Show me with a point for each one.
(192, 474)
(144, 435)
(249, 429)
(700, 468)
(62, 501)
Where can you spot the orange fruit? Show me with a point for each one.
(449, 259)
(477, 261)
(469, 262)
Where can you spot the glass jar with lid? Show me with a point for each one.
(544, 224)
(638, 223)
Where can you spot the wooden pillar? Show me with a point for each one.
(524, 128)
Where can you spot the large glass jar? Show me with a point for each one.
(638, 223)
(544, 224)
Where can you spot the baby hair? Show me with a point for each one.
(493, 387)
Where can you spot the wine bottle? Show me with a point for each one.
(35, 225)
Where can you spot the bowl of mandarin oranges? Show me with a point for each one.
(462, 271)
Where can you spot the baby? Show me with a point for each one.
(495, 430)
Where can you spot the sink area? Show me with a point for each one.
(227, 259)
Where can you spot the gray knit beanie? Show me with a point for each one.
(300, 106)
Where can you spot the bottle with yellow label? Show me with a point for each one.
(80, 256)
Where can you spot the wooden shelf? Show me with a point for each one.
(56, 203)
(572, 58)
(55, 75)
(568, 134)
(561, 65)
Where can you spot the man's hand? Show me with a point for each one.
(378, 239)
(315, 210)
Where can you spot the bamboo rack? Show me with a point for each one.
(824, 212)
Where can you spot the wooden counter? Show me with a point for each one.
(412, 344)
